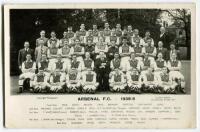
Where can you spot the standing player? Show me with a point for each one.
(62, 40)
(118, 33)
(52, 52)
(42, 37)
(28, 73)
(95, 34)
(148, 36)
(107, 33)
(78, 50)
(53, 38)
(65, 53)
(81, 34)
(137, 36)
(41, 49)
(70, 35)
(125, 51)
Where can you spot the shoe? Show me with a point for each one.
(20, 89)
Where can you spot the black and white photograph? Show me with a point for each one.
(94, 51)
(100, 65)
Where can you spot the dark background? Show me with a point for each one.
(25, 24)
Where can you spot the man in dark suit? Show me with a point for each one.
(102, 69)
(164, 37)
(23, 52)
(162, 50)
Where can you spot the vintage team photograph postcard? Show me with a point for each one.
(100, 65)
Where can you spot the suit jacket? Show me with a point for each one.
(165, 39)
(164, 53)
(98, 63)
(39, 51)
(22, 55)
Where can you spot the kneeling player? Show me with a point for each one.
(166, 83)
(134, 81)
(89, 83)
(150, 81)
(73, 81)
(57, 82)
(28, 73)
(117, 81)
(40, 83)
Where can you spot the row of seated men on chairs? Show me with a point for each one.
(128, 72)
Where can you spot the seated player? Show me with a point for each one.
(78, 50)
(95, 33)
(53, 38)
(75, 64)
(52, 52)
(166, 83)
(112, 50)
(160, 63)
(57, 82)
(174, 66)
(101, 46)
(59, 66)
(115, 64)
(117, 81)
(28, 73)
(133, 64)
(150, 82)
(150, 50)
(45, 66)
(146, 63)
(134, 81)
(90, 48)
(138, 50)
(73, 81)
(106, 33)
(89, 83)
(40, 83)
(65, 53)
(125, 51)
(88, 63)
